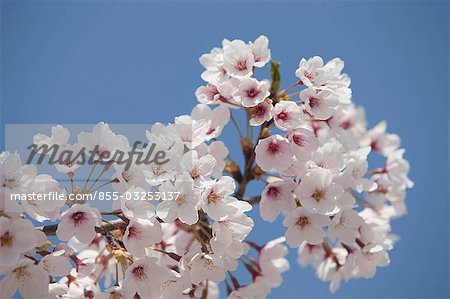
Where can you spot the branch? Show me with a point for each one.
(253, 200)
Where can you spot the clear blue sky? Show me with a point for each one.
(137, 62)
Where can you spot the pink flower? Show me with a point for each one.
(287, 115)
(261, 113)
(319, 103)
(238, 58)
(79, 221)
(277, 197)
(251, 92)
(318, 193)
(303, 143)
(274, 153)
(304, 226)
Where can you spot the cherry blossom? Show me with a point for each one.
(180, 228)
(16, 238)
(287, 115)
(303, 226)
(277, 197)
(184, 206)
(311, 72)
(319, 103)
(261, 113)
(251, 92)
(79, 221)
(238, 58)
(261, 51)
(141, 233)
(274, 153)
(30, 280)
(318, 193)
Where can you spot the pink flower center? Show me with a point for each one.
(260, 110)
(272, 192)
(213, 197)
(298, 139)
(314, 102)
(211, 131)
(309, 76)
(274, 147)
(78, 217)
(126, 176)
(346, 124)
(139, 273)
(302, 222)
(134, 232)
(253, 92)
(241, 65)
(283, 115)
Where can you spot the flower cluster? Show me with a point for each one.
(311, 153)
(336, 210)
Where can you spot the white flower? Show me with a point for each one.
(79, 221)
(15, 178)
(184, 205)
(261, 51)
(380, 141)
(213, 63)
(397, 168)
(319, 103)
(102, 143)
(276, 197)
(251, 92)
(217, 201)
(217, 118)
(56, 264)
(114, 293)
(287, 115)
(30, 280)
(200, 169)
(261, 113)
(274, 153)
(129, 176)
(135, 209)
(329, 156)
(60, 136)
(206, 266)
(219, 151)
(238, 58)
(303, 143)
(310, 255)
(44, 209)
(16, 238)
(318, 193)
(208, 94)
(303, 226)
(59, 140)
(145, 277)
(191, 132)
(272, 261)
(235, 227)
(344, 226)
(141, 233)
(311, 71)
(371, 257)
(355, 170)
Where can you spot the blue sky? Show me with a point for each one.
(137, 62)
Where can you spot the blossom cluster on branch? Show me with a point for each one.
(311, 152)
